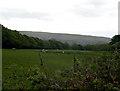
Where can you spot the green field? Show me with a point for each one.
(21, 60)
(52, 59)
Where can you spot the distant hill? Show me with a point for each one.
(70, 38)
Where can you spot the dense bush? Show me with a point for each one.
(115, 39)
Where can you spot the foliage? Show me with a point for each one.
(13, 39)
(98, 47)
(115, 39)
(102, 74)
(86, 71)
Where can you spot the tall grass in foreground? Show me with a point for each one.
(103, 74)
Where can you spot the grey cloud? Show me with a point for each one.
(97, 3)
(86, 12)
(16, 13)
(85, 9)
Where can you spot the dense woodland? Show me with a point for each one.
(13, 39)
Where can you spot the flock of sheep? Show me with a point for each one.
(43, 50)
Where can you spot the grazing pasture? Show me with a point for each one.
(53, 59)
(19, 61)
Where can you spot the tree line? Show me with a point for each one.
(14, 39)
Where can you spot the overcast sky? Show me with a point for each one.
(86, 17)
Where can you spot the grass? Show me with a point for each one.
(53, 60)
(93, 69)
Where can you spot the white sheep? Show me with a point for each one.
(13, 48)
(43, 51)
